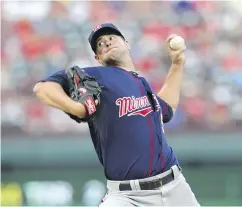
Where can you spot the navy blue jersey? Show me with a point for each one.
(127, 129)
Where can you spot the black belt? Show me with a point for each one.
(150, 185)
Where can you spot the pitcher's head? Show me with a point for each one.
(108, 44)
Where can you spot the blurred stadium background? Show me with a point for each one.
(48, 159)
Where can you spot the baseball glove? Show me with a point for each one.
(84, 89)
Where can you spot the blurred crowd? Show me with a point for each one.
(40, 38)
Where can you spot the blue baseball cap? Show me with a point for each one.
(99, 30)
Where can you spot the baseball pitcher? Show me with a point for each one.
(125, 117)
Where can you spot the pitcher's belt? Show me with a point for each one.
(150, 183)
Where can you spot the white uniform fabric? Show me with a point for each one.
(174, 193)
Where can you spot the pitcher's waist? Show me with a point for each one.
(149, 183)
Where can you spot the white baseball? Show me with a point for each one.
(177, 43)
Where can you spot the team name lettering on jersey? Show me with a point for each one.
(130, 106)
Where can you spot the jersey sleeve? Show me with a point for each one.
(167, 111)
(61, 78)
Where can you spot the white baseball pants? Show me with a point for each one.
(174, 193)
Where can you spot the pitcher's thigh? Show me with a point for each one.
(180, 195)
(115, 201)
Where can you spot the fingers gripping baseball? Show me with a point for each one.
(176, 47)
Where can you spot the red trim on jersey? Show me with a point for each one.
(165, 109)
(151, 145)
(151, 133)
